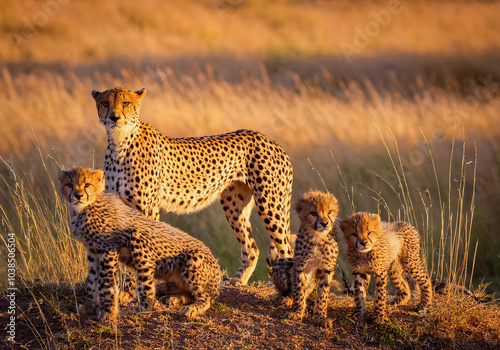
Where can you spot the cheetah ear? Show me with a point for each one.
(141, 93)
(61, 175)
(376, 217)
(95, 94)
(100, 175)
(298, 204)
(343, 224)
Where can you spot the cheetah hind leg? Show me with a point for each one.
(417, 272)
(237, 203)
(172, 295)
(201, 304)
(400, 283)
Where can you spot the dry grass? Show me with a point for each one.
(246, 317)
(375, 139)
(91, 30)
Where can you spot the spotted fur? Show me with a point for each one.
(244, 168)
(384, 249)
(111, 231)
(316, 252)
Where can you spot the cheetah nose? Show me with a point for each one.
(114, 118)
(78, 195)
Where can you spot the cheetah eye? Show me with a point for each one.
(105, 104)
(370, 233)
(354, 234)
(125, 104)
(313, 213)
(87, 185)
(69, 185)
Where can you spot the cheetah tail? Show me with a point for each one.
(347, 287)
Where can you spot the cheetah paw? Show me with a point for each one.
(170, 300)
(125, 298)
(284, 301)
(235, 281)
(421, 306)
(378, 319)
(86, 309)
(294, 315)
(322, 322)
(190, 312)
(106, 317)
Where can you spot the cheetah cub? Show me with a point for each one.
(382, 249)
(111, 231)
(313, 264)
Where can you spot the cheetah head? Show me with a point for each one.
(361, 230)
(80, 186)
(317, 211)
(118, 108)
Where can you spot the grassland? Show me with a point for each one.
(247, 317)
(407, 123)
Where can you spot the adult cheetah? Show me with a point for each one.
(111, 231)
(383, 248)
(316, 252)
(151, 171)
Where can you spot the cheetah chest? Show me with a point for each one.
(318, 258)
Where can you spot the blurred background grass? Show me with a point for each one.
(367, 82)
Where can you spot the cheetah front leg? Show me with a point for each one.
(321, 306)
(92, 285)
(380, 309)
(299, 287)
(108, 286)
(237, 203)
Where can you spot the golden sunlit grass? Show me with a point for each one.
(398, 156)
(45, 249)
(255, 28)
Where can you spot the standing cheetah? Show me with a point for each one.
(316, 252)
(111, 231)
(382, 249)
(150, 171)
